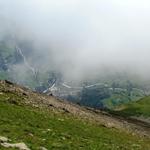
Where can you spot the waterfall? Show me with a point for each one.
(25, 60)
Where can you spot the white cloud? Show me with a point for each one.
(83, 33)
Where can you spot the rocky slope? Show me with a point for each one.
(35, 121)
(53, 103)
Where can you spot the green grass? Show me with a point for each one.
(138, 108)
(122, 98)
(54, 130)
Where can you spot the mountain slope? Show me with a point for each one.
(17, 64)
(139, 109)
(39, 120)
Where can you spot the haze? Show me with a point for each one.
(82, 37)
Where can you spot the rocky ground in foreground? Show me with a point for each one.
(57, 124)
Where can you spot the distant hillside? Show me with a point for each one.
(44, 122)
(138, 108)
(17, 64)
(109, 97)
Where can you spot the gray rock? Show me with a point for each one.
(43, 148)
(20, 146)
(3, 139)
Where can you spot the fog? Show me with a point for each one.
(82, 38)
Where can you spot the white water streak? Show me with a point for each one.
(25, 60)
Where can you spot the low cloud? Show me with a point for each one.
(82, 38)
